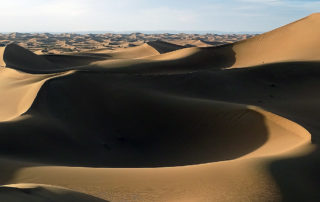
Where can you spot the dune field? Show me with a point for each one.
(70, 43)
(164, 122)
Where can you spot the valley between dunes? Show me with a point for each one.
(161, 122)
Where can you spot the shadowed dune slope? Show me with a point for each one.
(139, 121)
(73, 61)
(121, 126)
(164, 47)
(20, 58)
(18, 91)
(124, 125)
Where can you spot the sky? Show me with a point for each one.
(151, 15)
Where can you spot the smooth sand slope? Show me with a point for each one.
(298, 41)
(173, 126)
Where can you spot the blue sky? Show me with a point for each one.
(151, 15)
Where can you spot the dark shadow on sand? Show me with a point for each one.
(88, 119)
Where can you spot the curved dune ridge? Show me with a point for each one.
(18, 91)
(17, 57)
(110, 131)
(157, 122)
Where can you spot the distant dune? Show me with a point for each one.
(164, 47)
(164, 122)
(194, 43)
(71, 43)
(132, 52)
(147, 49)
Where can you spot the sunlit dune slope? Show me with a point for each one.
(18, 91)
(298, 41)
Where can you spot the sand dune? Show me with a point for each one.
(164, 47)
(144, 50)
(192, 43)
(159, 122)
(184, 60)
(17, 57)
(18, 91)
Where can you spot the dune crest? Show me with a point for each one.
(20, 58)
(140, 51)
(18, 91)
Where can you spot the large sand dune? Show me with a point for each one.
(159, 122)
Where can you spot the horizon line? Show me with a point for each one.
(135, 31)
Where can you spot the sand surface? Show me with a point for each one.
(161, 122)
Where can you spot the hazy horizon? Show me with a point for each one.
(201, 32)
(232, 16)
